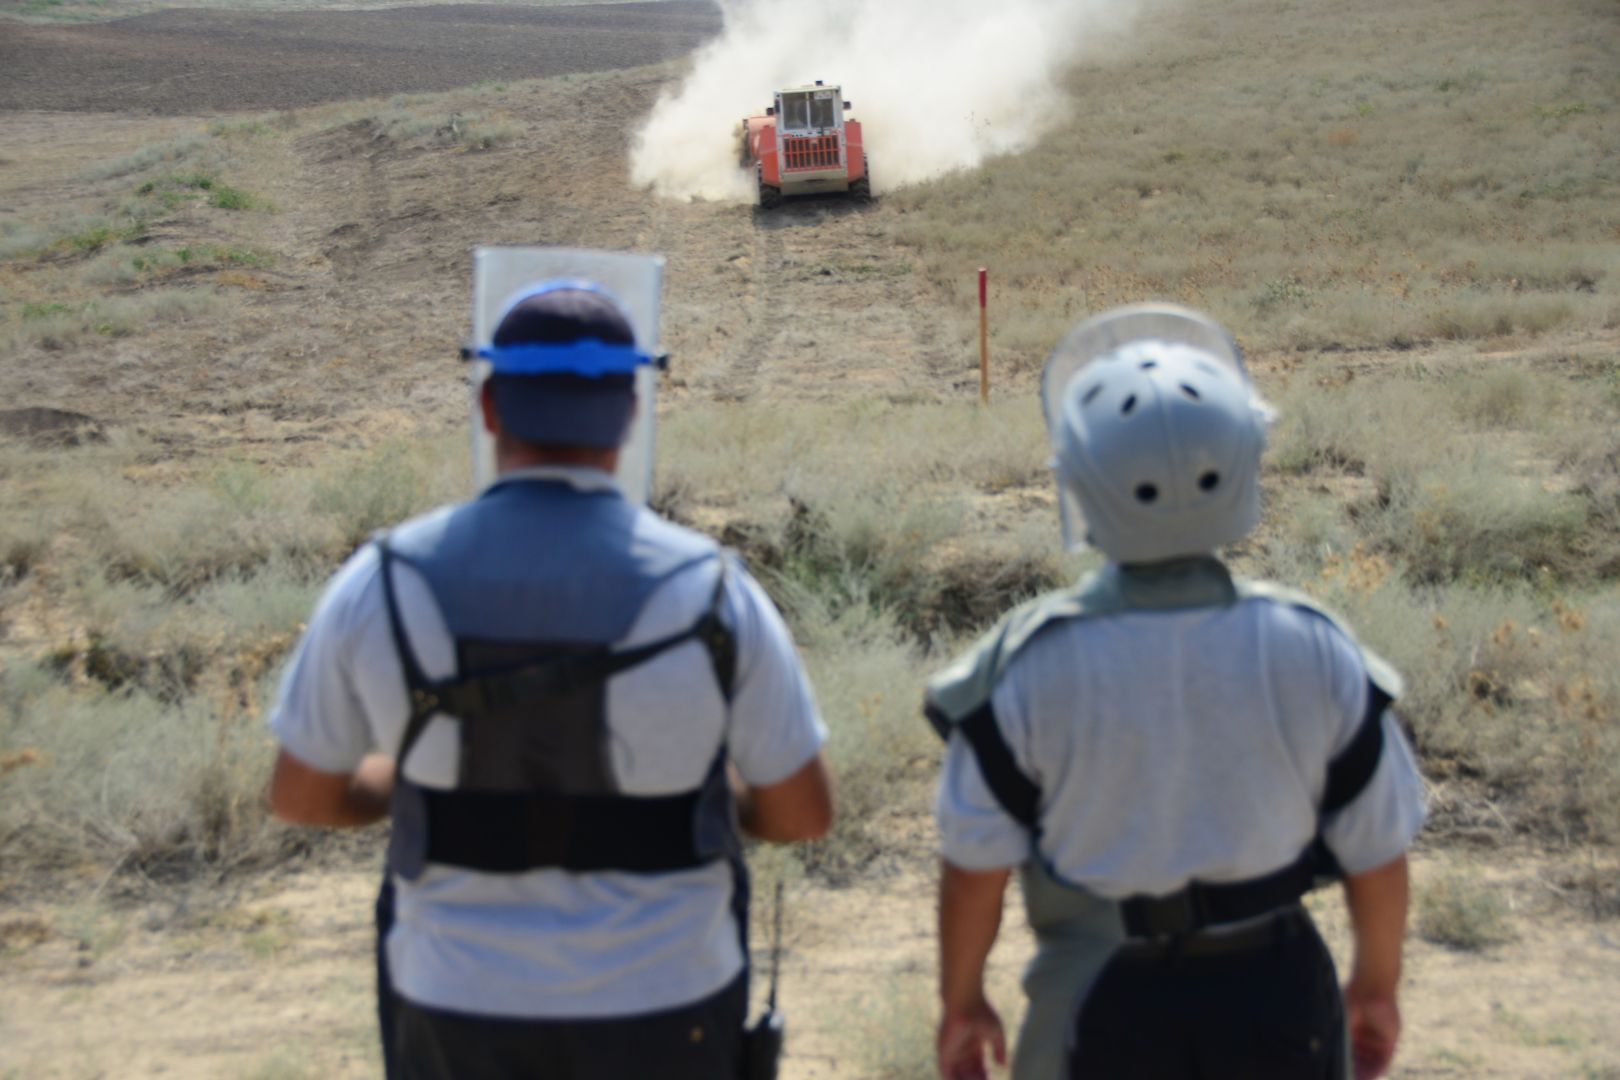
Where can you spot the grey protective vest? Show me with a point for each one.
(536, 581)
(1076, 931)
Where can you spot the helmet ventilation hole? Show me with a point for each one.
(1129, 406)
(1189, 391)
(1149, 365)
(1209, 481)
(1091, 395)
(1146, 493)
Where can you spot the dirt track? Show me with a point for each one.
(190, 62)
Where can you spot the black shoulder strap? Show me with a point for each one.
(539, 679)
(423, 701)
(1018, 795)
(719, 639)
(1352, 769)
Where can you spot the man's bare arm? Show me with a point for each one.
(303, 795)
(970, 905)
(1377, 900)
(797, 808)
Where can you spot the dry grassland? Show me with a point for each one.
(1355, 177)
(1408, 213)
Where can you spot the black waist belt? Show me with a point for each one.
(1289, 922)
(1203, 904)
(502, 833)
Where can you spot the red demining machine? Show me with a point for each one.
(806, 144)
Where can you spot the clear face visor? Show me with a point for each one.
(1098, 338)
(636, 281)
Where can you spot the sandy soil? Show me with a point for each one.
(275, 982)
(349, 335)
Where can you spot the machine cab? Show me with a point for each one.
(812, 110)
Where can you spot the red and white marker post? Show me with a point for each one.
(984, 338)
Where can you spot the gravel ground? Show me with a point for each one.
(190, 62)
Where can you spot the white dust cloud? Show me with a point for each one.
(937, 84)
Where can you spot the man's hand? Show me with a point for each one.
(1375, 1026)
(963, 1036)
(303, 795)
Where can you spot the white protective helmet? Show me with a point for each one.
(1156, 433)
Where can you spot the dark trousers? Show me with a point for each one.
(386, 1001)
(1263, 1007)
(702, 1041)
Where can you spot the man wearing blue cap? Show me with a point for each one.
(585, 701)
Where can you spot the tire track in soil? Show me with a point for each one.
(809, 301)
(742, 367)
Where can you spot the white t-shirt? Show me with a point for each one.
(549, 943)
(1177, 745)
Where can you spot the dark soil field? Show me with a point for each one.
(189, 62)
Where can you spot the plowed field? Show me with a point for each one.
(189, 62)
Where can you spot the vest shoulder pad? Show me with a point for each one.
(1380, 672)
(958, 691)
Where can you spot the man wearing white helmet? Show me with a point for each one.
(1171, 758)
(585, 701)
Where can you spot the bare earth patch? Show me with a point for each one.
(278, 983)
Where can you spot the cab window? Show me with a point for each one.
(795, 112)
(821, 111)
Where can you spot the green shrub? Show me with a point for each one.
(226, 197)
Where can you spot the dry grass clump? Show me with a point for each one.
(421, 120)
(1459, 910)
(129, 778)
(1314, 174)
(901, 505)
(867, 671)
(60, 325)
(475, 131)
(168, 611)
(1463, 518)
(233, 518)
(187, 150)
(884, 531)
(1484, 472)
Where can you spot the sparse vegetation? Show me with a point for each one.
(1415, 242)
(143, 722)
(1324, 193)
(1459, 910)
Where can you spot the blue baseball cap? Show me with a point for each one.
(562, 365)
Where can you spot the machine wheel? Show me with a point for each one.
(769, 197)
(861, 190)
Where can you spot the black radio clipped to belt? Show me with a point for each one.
(763, 1039)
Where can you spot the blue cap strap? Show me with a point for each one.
(588, 357)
